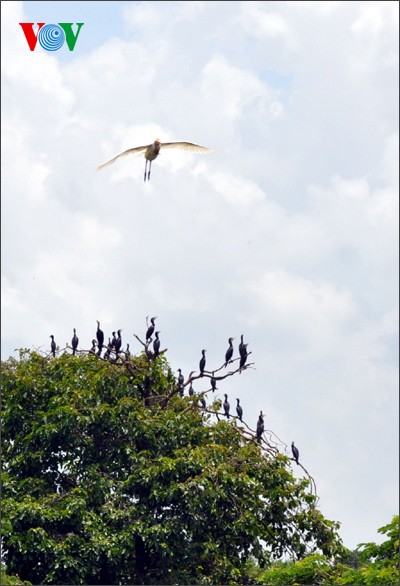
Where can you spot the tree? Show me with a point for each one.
(369, 564)
(110, 476)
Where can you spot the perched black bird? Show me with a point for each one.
(191, 390)
(229, 352)
(296, 453)
(109, 348)
(213, 382)
(114, 340)
(181, 378)
(239, 410)
(93, 348)
(181, 381)
(100, 338)
(127, 351)
(53, 346)
(242, 349)
(260, 427)
(74, 343)
(156, 345)
(202, 363)
(243, 356)
(203, 402)
(150, 329)
(118, 342)
(226, 406)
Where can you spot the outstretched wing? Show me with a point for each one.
(134, 151)
(186, 146)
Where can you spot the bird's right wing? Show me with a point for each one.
(134, 151)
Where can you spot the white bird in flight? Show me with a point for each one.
(152, 151)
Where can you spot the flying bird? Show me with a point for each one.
(296, 453)
(152, 151)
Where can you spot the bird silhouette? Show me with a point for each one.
(181, 382)
(239, 410)
(296, 453)
(229, 352)
(152, 151)
(226, 406)
(151, 328)
(202, 363)
(53, 345)
(100, 338)
(118, 342)
(243, 356)
(260, 427)
(74, 343)
(156, 345)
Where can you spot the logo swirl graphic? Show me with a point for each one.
(51, 37)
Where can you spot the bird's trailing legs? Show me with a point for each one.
(145, 170)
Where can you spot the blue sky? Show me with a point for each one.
(287, 233)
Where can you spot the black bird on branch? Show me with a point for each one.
(203, 402)
(156, 345)
(213, 382)
(118, 342)
(239, 410)
(242, 348)
(181, 382)
(93, 348)
(191, 390)
(100, 338)
(114, 340)
(296, 453)
(127, 351)
(109, 348)
(202, 363)
(150, 329)
(226, 406)
(74, 343)
(260, 427)
(229, 352)
(53, 346)
(243, 356)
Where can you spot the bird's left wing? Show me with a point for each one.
(186, 146)
(134, 151)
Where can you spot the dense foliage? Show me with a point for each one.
(109, 476)
(369, 564)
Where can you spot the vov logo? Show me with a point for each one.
(51, 36)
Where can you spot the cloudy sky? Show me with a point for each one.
(287, 233)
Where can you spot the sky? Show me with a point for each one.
(286, 233)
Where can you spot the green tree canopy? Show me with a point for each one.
(369, 564)
(110, 476)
